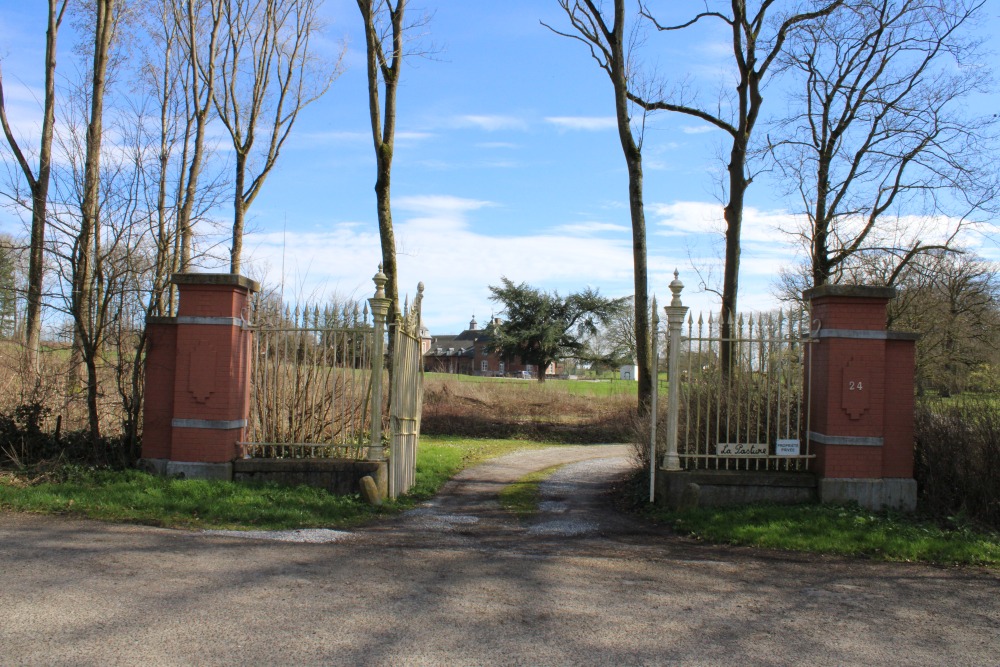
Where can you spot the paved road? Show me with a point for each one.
(458, 582)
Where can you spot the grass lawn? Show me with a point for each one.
(837, 530)
(602, 387)
(136, 497)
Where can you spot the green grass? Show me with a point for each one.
(601, 387)
(135, 497)
(838, 530)
(441, 457)
(522, 496)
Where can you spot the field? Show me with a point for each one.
(571, 411)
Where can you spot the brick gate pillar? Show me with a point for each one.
(860, 384)
(197, 394)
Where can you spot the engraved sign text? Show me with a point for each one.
(741, 449)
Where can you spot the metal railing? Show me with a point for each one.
(749, 414)
(311, 384)
(317, 385)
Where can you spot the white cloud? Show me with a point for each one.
(439, 204)
(689, 217)
(698, 129)
(584, 123)
(436, 245)
(492, 123)
(589, 228)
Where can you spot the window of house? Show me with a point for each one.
(485, 365)
(501, 368)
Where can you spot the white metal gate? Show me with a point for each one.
(317, 385)
(407, 396)
(311, 383)
(748, 414)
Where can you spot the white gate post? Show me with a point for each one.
(675, 320)
(653, 411)
(380, 309)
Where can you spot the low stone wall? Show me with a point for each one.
(338, 476)
(719, 488)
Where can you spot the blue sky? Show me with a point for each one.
(507, 163)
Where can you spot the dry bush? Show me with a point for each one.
(523, 410)
(46, 420)
(957, 464)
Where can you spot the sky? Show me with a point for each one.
(507, 163)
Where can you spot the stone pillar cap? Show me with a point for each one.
(224, 279)
(853, 291)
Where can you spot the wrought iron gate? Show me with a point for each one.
(747, 414)
(407, 396)
(318, 379)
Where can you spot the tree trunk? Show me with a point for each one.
(633, 159)
(239, 212)
(733, 215)
(386, 235)
(83, 269)
(640, 283)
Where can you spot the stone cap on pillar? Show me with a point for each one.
(850, 291)
(221, 279)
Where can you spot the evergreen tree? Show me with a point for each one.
(542, 327)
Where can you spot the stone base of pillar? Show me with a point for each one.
(187, 469)
(873, 494)
(687, 489)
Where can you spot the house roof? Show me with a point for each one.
(461, 344)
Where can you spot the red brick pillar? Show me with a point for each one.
(198, 378)
(860, 384)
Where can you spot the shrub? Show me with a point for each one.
(957, 464)
(28, 438)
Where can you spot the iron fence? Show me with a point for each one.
(311, 384)
(747, 411)
(749, 414)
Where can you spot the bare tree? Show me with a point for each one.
(881, 131)
(10, 268)
(265, 75)
(613, 344)
(610, 45)
(38, 185)
(384, 28)
(83, 254)
(177, 72)
(756, 45)
(198, 23)
(952, 299)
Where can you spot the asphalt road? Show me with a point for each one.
(459, 582)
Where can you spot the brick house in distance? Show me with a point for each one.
(466, 354)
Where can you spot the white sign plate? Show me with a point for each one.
(787, 447)
(748, 449)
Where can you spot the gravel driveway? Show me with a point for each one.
(459, 582)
